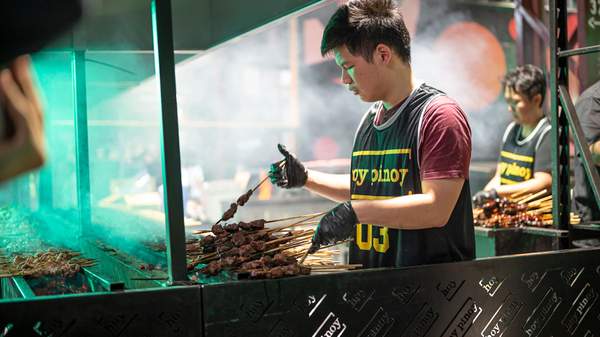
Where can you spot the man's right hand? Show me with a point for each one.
(289, 172)
(483, 196)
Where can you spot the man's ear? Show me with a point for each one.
(382, 54)
(537, 99)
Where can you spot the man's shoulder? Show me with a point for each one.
(588, 97)
(442, 106)
(443, 100)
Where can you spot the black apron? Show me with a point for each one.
(385, 165)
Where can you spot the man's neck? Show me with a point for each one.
(527, 128)
(402, 86)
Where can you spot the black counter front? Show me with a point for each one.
(546, 294)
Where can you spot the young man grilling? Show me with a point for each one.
(406, 200)
(524, 164)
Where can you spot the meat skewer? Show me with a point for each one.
(249, 249)
(243, 199)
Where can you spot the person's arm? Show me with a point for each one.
(540, 181)
(335, 187)
(595, 150)
(430, 209)
(494, 183)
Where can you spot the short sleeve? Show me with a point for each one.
(445, 141)
(543, 156)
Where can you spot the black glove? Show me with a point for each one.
(482, 196)
(335, 226)
(289, 172)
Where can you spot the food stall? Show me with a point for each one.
(98, 243)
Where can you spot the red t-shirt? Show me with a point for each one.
(444, 140)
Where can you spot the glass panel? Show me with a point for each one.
(122, 242)
(239, 100)
(124, 156)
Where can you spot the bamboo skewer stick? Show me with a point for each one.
(284, 247)
(289, 238)
(265, 179)
(539, 201)
(302, 222)
(293, 217)
(536, 195)
(312, 216)
(303, 257)
(324, 247)
(335, 266)
(201, 231)
(517, 200)
(517, 194)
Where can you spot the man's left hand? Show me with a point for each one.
(335, 226)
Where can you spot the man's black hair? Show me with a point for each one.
(527, 80)
(361, 25)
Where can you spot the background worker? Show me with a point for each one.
(525, 162)
(588, 111)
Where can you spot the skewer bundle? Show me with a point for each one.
(49, 263)
(251, 250)
(518, 210)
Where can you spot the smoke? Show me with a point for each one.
(238, 100)
(464, 58)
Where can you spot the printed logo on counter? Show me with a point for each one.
(532, 280)
(314, 303)
(332, 326)
(540, 316)
(422, 323)
(571, 275)
(255, 310)
(114, 324)
(379, 325)
(406, 292)
(357, 299)
(281, 330)
(491, 285)
(464, 319)
(582, 305)
(502, 318)
(449, 289)
(56, 327)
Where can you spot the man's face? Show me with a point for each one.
(359, 76)
(520, 106)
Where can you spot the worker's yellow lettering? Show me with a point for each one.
(381, 243)
(359, 175)
(388, 176)
(363, 244)
(515, 170)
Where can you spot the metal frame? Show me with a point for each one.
(162, 31)
(564, 116)
(81, 139)
(171, 168)
(531, 31)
